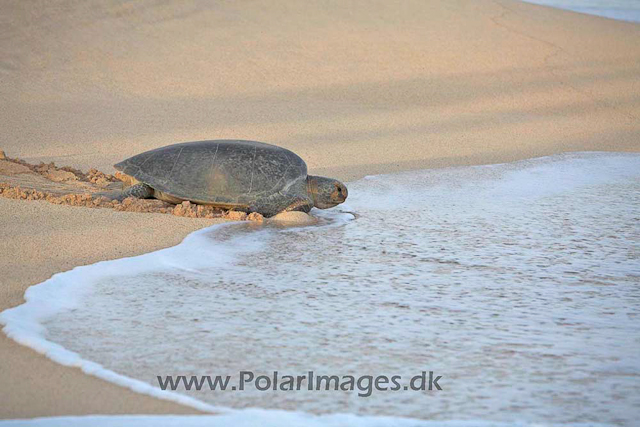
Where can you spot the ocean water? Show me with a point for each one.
(624, 10)
(518, 283)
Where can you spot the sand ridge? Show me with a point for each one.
(72, 187)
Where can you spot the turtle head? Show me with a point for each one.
(326, 192)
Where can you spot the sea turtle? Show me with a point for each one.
(247, 176)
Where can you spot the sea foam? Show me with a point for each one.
(518, 283)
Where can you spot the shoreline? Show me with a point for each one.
(69, 286)
(402, 89)
(119, 394)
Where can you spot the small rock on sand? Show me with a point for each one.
(59, 175)
(293, 219)
(236, 216)
(128, 180)
(255, 216)
(2, 155)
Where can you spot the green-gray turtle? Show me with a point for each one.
(247, 176)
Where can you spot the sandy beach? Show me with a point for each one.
(355, 88)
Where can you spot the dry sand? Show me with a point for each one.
(354, 87)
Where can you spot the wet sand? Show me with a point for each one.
(354, 88)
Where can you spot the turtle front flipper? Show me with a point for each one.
(281, 202)
(139, 191)
(302, 205)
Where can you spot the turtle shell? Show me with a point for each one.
(220, 172)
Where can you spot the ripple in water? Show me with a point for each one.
(518, 283)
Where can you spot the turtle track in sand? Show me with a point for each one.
(68, 186)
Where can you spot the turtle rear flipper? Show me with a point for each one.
(139, 191)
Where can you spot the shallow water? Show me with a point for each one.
(623, 10)
(518, 283)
